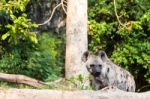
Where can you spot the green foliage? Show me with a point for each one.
(47, 59)
(134, 55)
(79, 82)
(8, 85)
(128, 42)
(17, 26)
(11, 62)
(22, 50)
(42, 61)
(74, 83)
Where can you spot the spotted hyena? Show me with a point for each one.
(105, 73)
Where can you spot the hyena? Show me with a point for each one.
(105, 73)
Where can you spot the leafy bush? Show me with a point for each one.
(21, 52)
(42, 61)
(46, 62)
(15, 25)
(127, 41)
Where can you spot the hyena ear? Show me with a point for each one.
(103, 56)
(85, 56)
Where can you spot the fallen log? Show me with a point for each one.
(60, 94)
(21, 79)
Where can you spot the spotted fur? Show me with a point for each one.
(106, 73)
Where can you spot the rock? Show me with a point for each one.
(60, 94)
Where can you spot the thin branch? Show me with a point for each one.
(117, 15)
(63, 6)
(143, 88)
(50, 15)
(60, 4)
(65, 1)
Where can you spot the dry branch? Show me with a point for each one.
(115, 9)
(63, 4)
(21, 79)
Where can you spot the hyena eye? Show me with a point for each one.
(92, 65)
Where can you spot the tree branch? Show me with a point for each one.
(21, 79)
(60, 4)
(115, 9)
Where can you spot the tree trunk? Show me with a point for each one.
(76, 38)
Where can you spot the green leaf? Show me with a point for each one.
(4, 36)
(35, 25)
(33, 39)
(22, 8)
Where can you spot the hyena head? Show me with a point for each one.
(95, 64)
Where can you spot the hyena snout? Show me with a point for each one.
(96, 71)
(96, 74)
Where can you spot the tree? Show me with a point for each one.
(76, 38)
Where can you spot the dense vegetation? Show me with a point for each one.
(120, 27)
(22, 49)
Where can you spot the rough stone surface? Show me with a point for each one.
(59, 94)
